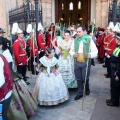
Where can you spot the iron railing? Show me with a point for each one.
(25, 14)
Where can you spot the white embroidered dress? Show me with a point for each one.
(66, 64)
(51, 87)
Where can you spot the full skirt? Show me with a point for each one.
(23, 103)
(50, 89)
(66, 68)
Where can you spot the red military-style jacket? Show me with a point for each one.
(33, 48)
(106, 39)
(49, 39)
(41, 42)
(19, 49)
(111, 45)
(100, 45)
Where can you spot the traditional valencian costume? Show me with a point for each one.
(50, 87)
(66, 63)
(23, 103)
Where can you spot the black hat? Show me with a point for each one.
(1, 30)
(1, 40)
(118, 36)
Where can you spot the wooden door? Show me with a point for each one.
(70, 12)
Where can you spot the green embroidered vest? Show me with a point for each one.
(86, 45)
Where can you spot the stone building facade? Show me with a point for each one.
(99, 12)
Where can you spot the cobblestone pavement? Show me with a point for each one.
(94, 104)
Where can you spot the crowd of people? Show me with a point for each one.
(59, 59)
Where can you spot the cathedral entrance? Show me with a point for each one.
(72, 11)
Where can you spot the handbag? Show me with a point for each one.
(1, 112)
(80, 57)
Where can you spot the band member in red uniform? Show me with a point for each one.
(19, 49)
(100, 44)
(49, 39)
(33, 52)
(111, 45)
(52, 28)
(106, 39)
(41, 41)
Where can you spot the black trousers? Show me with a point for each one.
(92, 61)
(32, 66)
(5, 106)
(80, 72)
(22, 70)
(115, 87)
(108, 64)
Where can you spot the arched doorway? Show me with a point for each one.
(72, 11)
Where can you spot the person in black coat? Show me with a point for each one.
(115, 75)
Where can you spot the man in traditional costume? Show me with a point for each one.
(52, 29)
(106, 39)
(41, 41)
(19, 49)
(14, 32)
(49, 39)
(111, 45)
(83, 49)
(100, 45)
(32, 45)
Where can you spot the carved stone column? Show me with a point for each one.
(102, 13)
(47, 12)
(105, 13)
(99, 13)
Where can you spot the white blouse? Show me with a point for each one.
(93, 49)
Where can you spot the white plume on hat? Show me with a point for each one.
(29, 28)
(40, 27)
(19, 31)
(111, 25)
(15, 28)
(114, 29)
(117, 28)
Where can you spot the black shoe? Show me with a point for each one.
(108, 76)
(93, 64)
(78, 97)
(101, 62)
(104, 66)
(105, 74)
(110, 103)
(27, 82)
(108, 100)
(88, 92)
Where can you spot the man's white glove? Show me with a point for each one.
(20, 64)
(108, 56)
(39, 52)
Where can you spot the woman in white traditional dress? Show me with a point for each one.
(66, 62)
(50, 87)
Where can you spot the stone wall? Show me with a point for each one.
(2, 15)
(47, 10)
(102, 13)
